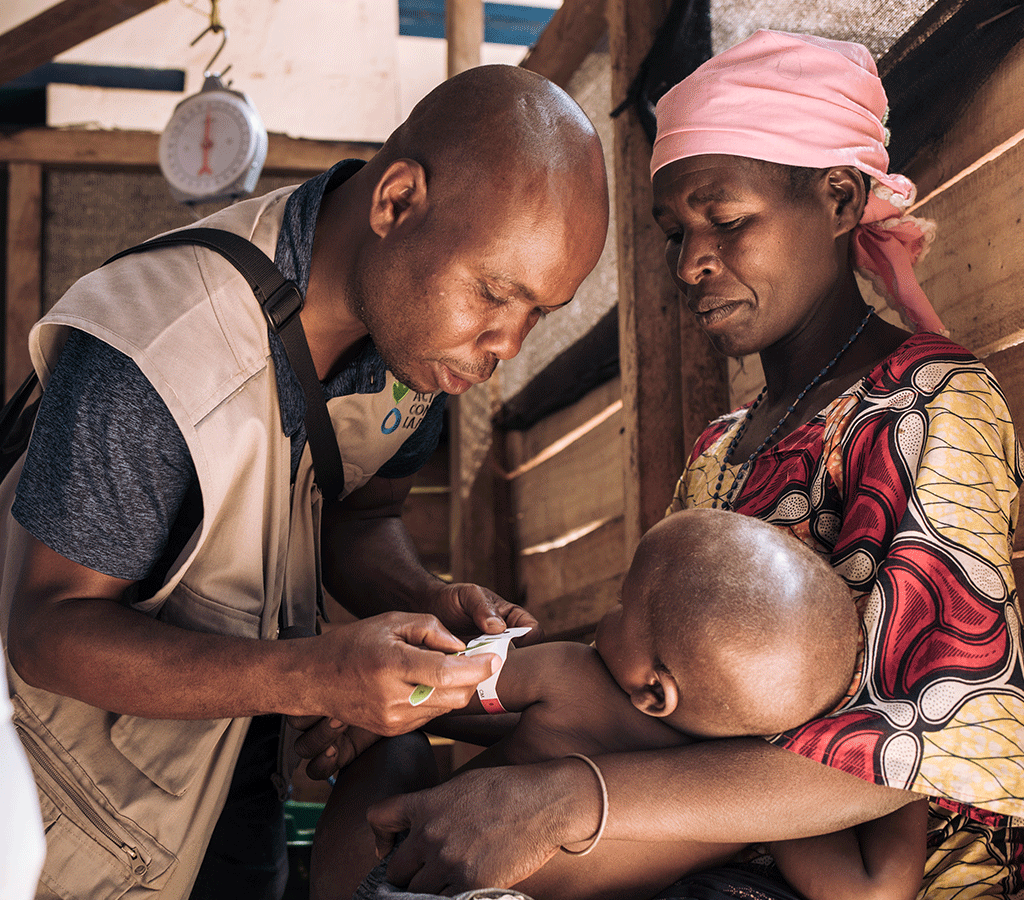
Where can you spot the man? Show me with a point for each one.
(137, 656)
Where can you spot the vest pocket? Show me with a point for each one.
(168, 752)
(189, 609)
(90, 850)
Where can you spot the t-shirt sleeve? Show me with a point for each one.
(107, 466)
(414, 453)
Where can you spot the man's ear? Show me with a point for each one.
(399, 197)
(846, 197)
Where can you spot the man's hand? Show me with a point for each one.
(363, 673)
(370, 565)
(328, 744)
(470, 608)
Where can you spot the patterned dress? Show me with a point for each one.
(908, 483)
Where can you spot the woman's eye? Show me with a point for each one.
(729, 225)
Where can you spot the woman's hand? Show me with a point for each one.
(543, 806)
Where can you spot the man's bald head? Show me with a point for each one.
(491, 120)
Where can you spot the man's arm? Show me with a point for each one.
(882, 859)
(71, 634)
(371, 565)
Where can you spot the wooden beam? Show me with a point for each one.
(480, 533)
(464, 29)
(673, 382)
(649, 320)
(569, 37)
(24, 266)
(59, 28)
(481, 529)
(133, 150)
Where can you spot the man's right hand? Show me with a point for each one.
(363, 673)
(71, 633)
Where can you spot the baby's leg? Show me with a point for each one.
(622, 870)
(613, 870)
(343, 848)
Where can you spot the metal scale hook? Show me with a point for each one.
(214, 27)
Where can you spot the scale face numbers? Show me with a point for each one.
(213, 147)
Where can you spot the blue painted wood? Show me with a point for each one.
(516, 24)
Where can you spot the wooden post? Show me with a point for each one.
(568, 39)
(464, 28)
(482, 544)
(480, 531)
(24, 282)
(670, 376)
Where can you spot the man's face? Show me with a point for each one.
(447, 302)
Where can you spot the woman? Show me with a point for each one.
(890, 453)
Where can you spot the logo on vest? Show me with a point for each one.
(414, 415)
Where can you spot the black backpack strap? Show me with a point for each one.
(16, 421)
(281, 302)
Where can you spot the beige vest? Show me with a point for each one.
(129, 803)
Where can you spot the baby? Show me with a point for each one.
(728, 627)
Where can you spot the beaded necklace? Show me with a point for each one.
(727, 499)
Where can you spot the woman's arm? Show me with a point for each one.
(882, 859)
(708, 792)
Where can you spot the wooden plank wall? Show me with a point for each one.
(972, 185)
(567, 493)
(568, 505)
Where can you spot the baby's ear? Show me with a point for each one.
(659, 697)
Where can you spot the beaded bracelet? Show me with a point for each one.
(604, 807)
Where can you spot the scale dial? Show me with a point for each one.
(214, 146)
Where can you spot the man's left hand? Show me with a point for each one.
(464, 608)
(328, 744)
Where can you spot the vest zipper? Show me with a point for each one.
(80, 801)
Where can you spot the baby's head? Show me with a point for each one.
(730, 626)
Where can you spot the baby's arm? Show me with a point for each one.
(569, 703)
(878, 860)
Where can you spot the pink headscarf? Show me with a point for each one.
(802, 100)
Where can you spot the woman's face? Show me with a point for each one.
(753, 262)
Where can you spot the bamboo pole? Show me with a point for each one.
(464, 28)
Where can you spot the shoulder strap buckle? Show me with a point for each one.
(283, 305)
